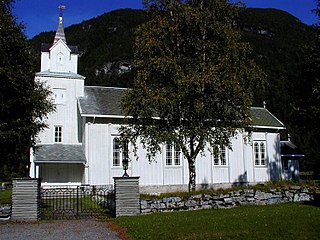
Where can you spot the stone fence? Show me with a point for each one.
(228, 200)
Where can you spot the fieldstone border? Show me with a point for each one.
(228, 200)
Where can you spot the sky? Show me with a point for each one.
(42, 15)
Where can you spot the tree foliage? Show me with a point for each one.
(23, 102)
(307, 102)
(194, 79)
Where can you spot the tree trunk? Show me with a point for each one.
(192, 175)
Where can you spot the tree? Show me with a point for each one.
(307, 102)
(194, 79)
(23, 102)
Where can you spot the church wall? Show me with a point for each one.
(74, 63)
(60, 58)
(240, 166)
(45, 61)
(66, 114)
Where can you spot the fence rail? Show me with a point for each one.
(76, 202)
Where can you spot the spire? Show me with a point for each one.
(60, 32)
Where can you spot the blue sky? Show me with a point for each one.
(42, 15)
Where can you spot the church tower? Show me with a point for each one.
(59, 66)
(59, 156)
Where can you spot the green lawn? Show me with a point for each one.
(283, 221)
(5, 196)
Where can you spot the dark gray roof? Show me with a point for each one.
(59, 153)
(106, 101)
(262, 117)
(45, 47)
(290, 150)
(69, 75)
(101, 101)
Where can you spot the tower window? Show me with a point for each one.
(59, 95)
(58, 134)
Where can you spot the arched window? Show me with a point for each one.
(260, 156)
(256, 153)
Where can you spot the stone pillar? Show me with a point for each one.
(127, 196)
(26, 199)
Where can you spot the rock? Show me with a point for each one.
(274, 200)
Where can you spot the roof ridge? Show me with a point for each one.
(106, 87)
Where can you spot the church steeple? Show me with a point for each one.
(60, 31)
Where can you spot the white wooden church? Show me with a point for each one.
(80, 146)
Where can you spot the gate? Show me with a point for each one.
(77, 202)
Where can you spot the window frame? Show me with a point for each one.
(260, 153)
(116, 149)
(221, 158)
(58, 134)
(173, 155)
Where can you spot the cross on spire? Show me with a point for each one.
(60, 32)
(61, 7)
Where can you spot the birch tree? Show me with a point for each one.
(194, 79)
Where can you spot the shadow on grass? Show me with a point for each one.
(315, 202)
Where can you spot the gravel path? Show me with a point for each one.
(64, 230)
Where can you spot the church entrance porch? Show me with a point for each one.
(61, 174)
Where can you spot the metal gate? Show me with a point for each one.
(77, 202)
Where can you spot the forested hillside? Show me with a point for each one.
(278, 39)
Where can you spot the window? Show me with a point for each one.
(173, 155)
(220, 156)
(118, 154)
(60, 58)
(59, 95)
(259, 149)
(58, 134)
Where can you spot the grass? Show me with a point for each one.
(5, 196)
(283, 221)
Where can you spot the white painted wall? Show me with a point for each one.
(60, 60)
(240, 167)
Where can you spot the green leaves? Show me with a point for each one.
(23, 102)
(194, 78)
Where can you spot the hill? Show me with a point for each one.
(277, 38)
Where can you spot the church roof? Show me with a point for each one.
(101, 101)
(59, 75)
(106, 102)
(290, 150)
(59, 153)
(262, 117)
(45, 47)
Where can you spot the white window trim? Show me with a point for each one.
(218, 157)
(257, 155)
(56, 127)
(173, 156)
(120, 155)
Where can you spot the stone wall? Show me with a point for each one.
(26, 199)
(127, 195)
(228, 200)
